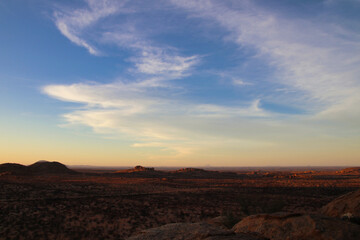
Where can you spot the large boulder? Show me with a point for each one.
(347, 205)
(191, 231)
(228, 220)
(286, 226)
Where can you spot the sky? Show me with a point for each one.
(180, 82)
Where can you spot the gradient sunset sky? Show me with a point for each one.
(180, 82)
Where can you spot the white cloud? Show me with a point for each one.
(64, 29)
(159, 63)
(239, 82)
(131, 110)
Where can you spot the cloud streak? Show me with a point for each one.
(135, 111)
(77, 25)
(74, 23)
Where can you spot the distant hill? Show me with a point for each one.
(201, 173)
(191, 170)
(45, 167)
(39, 168)
(186, 173)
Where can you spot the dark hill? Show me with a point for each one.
(38, 168)
(190, 170)
(201, 173)
(44, 167)
(183, 173)
(13, 168)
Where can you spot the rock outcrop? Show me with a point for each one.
(227, 221)
(137, 169)
(191, 231)
(350, 171)
(346, 206)
(285, 226)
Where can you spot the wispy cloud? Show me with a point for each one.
(319, 60)
(77, 25)
(239, 82)
(74, 23)
(165, 63)
(132, 110)
(252, 110)
(159, 63)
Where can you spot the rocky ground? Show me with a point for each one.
(146, 205)
(342, 224)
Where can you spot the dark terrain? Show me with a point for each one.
(46, 200)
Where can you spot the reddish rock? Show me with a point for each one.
(286, 226)
(350, 171)
(137, 169)
(346, 205)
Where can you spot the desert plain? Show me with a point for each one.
(47, 200)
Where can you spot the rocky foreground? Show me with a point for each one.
(341, 223)
(47, 200)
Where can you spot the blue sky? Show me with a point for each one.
(181, 82)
